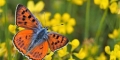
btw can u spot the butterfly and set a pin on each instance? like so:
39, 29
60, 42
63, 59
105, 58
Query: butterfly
34, 41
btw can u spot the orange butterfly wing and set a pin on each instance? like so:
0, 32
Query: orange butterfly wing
22, 40
56, 41
39, 51
24, 18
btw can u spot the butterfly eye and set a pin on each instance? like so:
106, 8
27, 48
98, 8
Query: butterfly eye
46, 28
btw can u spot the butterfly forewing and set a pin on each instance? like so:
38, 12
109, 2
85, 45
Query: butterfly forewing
24, 18
56, 41
38, 52
22, 40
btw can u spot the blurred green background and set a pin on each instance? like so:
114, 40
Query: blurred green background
92, 27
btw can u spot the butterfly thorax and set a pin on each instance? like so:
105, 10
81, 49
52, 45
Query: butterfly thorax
39, 36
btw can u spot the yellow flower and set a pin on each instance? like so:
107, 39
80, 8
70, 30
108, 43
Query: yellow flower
2, 2
118, 11
114, 7
94, 49
49, 57
102, 57
97, 2
111, 1
104, 4
1, 10
67, 22
90, 58
35, 8
63, 51
117, 50
71, 58
112, 56
20, 28
107, 49
44, 18
114, 53
75, 43
78, 2
82, 54
12, 28
2, 48
116, 47
114, 34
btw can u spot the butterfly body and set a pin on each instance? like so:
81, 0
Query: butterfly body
39, 36
35, 40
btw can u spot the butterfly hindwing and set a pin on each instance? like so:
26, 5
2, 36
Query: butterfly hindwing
22, 40
24, 18
56, 41
39, 51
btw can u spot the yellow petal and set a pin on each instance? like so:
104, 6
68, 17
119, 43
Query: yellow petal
55, 29
49, 57
2, 2
63, 51
2, 49
97, 2
116, 47
62, 29
118, 54
112, 56
113, 7
30, 5
20, 28
111, 36
71, 58
82, 54
65, 17
75, 43
102, 57
57, 16
115, 32
69, 29
39, 6
104, 4
78, 2
12, 28
72, 22
107, 49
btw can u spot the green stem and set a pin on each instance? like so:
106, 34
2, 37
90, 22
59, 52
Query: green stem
6, 32
101, 25
87, 20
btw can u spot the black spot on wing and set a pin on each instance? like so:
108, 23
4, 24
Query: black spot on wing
26, 36
23, 12
57, 37
53, 35
29, 16
19, 22
24, 17
33, 20
25, 23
